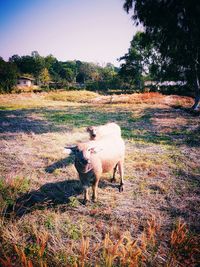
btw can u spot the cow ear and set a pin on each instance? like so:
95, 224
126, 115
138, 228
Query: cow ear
70, 149
92, 150
88, 129
95, 150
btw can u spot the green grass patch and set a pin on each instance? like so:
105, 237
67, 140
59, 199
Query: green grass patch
84, 116
4, 108
146, 136
11, 188
75, 119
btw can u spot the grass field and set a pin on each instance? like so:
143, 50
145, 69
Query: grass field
154, 222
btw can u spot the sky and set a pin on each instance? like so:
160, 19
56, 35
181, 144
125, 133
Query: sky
96, 31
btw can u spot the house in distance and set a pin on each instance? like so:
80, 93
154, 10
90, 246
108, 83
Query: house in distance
26, 84
25, 81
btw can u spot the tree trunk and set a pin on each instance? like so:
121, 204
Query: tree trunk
196, 105
197, 91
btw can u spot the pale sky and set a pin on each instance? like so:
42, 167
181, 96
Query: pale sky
96, 31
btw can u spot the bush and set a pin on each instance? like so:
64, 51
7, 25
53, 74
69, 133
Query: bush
176, 90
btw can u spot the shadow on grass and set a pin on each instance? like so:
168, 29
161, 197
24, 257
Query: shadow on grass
25, 121
184, 202
49, 195
188, 110
193, 137
60, 164
144, 129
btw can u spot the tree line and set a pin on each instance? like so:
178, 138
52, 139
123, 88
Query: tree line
48, 72
168, 49
142, 62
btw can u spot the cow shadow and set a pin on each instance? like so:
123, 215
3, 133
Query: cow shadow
62, 163
49, 195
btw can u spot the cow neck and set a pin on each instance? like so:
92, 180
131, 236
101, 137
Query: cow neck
84, 168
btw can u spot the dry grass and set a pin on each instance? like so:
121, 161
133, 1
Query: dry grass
154, 222
144, 98
35, 100
72, 96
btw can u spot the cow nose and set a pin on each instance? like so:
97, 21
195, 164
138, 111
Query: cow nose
85, 161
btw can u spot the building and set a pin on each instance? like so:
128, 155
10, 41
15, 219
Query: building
25, 82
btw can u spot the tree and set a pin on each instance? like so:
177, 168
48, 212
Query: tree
8, 76
67, 74
173, 26
86, 70
49, 61
139, 61
33, 64
38, 64
44, 76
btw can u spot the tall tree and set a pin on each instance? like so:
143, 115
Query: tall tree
49, 61
33, 64
140, 61
173, 26
8, 76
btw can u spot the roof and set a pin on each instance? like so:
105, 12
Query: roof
26, 78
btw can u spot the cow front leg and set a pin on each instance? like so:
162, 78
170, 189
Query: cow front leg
86, 194
114, 173
94, 189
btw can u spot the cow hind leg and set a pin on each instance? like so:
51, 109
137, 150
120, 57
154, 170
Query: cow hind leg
114, 173
121, 173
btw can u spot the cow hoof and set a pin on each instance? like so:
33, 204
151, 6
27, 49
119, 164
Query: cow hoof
85, 202
121, 188
94, 200
113, 180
